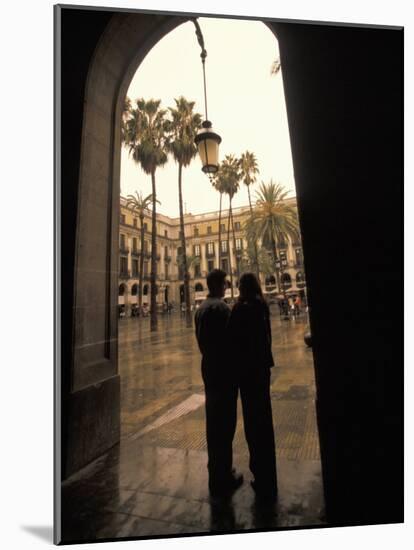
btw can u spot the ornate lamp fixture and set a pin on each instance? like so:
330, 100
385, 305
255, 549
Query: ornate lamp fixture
207, 140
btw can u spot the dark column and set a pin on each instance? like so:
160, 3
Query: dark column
343, 90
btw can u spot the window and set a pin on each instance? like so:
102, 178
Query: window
237, 226
224, 246
197, 271
196, 232
210, 248
299, 258
222, 227
197, 250
165, 233
134, 244
135, 268
165, 251
210, 265
145, 268
135, 222
239, 244
122, 244
123, 266
146, 247
283, 258
225, 265
123, 218
166, 270
145, 227
209, 230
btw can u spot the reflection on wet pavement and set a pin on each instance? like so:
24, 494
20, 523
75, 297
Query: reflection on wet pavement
155, 481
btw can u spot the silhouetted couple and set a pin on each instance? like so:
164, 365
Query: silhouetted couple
236, 355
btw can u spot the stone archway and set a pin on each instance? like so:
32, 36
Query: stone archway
90, 381
94, 385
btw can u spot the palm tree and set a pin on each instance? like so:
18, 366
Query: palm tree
273, 219
140, 204
230, 178
219, 185
146, 138
261, 256
249, 169
183, 128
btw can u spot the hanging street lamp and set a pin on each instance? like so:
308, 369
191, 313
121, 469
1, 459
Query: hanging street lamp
207, 140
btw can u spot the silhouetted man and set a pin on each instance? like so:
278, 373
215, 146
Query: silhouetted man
220, 386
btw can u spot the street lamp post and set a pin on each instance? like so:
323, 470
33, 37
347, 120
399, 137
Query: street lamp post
207, 140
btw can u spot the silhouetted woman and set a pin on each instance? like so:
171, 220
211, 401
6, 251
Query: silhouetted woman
250, 342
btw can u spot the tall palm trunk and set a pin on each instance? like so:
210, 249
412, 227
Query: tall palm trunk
219, 235
154, 320
141, 267
234, 243
274, 253
186, 277
229, 251
256, 256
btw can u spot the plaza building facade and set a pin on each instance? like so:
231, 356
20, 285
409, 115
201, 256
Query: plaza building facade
203, 255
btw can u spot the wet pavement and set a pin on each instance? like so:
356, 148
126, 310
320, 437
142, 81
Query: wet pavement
155, 481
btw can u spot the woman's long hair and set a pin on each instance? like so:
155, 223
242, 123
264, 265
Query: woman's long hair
250, 289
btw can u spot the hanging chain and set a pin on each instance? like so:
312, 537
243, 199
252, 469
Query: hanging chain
203, 56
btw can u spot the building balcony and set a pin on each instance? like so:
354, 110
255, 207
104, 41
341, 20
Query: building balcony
135, 275
135, 252
298, 265
146, 277
210, 254
124, 274
167, 259
124, 250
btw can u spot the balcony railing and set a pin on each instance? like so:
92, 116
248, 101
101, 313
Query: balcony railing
124, 250
167, 258
135, 252
124, 274
210, 254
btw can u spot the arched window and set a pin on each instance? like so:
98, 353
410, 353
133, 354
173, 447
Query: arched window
134, 290
270, 280
121, 290
145, 290
199, 287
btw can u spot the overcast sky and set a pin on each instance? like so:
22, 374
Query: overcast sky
246, 105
